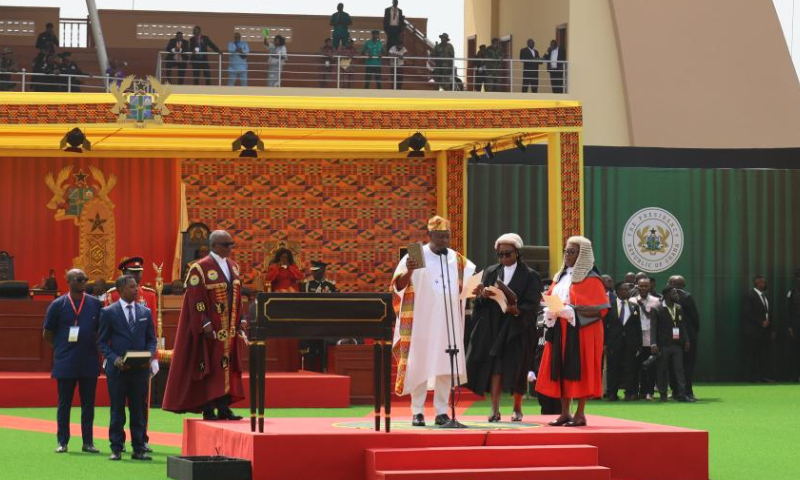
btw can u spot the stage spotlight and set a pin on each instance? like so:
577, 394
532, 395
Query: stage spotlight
250, 142
76, 140
488, 150
473, 156
520, 146
416, 142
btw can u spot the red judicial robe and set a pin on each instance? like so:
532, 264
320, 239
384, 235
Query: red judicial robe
589, 292
203, 370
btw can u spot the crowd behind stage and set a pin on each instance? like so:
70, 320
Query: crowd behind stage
339, 63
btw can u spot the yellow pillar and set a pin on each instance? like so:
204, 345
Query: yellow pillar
555, 241
565, 192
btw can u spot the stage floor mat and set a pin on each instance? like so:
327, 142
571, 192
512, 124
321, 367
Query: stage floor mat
336, 448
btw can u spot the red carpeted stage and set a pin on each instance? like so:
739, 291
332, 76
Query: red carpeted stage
283, 390
348, 449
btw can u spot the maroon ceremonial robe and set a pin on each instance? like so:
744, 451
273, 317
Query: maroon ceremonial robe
203, 370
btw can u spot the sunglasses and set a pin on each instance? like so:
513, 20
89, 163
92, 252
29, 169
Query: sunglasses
227, 244
570, 251
505, 254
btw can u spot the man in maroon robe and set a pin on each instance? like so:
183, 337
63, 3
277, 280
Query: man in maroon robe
206, 369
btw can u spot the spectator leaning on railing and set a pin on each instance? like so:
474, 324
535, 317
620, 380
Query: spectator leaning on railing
237, 65
481, 81
176, 58
199, 45
327, 52
68, 67
398, 53
7, 66
347, 54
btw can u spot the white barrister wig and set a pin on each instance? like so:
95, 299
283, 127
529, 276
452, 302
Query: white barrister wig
509, 239
585, 261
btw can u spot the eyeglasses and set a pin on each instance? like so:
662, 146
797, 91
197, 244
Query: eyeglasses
227, 244
570, 251
505, 254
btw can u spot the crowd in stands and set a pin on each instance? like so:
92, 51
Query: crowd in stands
53, 70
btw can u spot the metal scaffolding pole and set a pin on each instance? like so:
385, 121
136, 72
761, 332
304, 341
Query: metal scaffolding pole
97, 34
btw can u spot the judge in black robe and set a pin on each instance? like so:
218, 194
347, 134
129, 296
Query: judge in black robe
502, 345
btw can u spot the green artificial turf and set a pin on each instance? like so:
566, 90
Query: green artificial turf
754, 430
29, 456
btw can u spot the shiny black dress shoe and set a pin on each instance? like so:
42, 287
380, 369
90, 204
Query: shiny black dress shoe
579, 422
560, 421
90, 449
141, 456
210, 415
228, 414
442, 419
418, 421
495, 417
516, 416
115, 456
61, 449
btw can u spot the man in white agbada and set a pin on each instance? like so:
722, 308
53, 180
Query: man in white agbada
420, 336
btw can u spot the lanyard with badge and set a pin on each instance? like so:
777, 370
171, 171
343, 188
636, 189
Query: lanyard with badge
73, 330
676, 331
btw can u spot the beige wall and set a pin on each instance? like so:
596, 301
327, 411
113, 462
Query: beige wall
595, 74
39, 15
707, 74
477, 22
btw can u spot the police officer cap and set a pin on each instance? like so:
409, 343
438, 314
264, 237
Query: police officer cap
318, 265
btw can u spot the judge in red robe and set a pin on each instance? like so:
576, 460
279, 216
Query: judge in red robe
206, 369
571, 365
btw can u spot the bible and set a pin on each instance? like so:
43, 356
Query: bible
415, 253
137, 358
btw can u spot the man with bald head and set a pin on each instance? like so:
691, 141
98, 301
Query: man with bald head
70, 326
691, 319
206, 371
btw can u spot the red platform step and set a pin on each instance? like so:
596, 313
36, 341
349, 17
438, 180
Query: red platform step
533, 473
573, 462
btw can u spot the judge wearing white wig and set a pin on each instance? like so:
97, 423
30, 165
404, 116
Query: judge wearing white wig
571, 365
503, 343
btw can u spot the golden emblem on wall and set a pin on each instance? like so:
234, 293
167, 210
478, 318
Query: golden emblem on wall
88, 205
140, 101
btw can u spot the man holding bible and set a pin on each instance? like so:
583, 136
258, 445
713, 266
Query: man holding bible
127, 327
425, 297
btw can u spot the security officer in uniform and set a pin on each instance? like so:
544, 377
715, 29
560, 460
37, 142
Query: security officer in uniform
793, 309
315, 351
319, 284
134, 266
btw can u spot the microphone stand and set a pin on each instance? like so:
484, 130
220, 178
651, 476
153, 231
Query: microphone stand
452, 343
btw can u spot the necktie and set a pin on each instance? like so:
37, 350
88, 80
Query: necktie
621, 313
131, 321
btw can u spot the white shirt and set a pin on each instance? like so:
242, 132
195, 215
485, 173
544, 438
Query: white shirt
394, 18
508, 273
623, 311
562, 287
223, 265
648, 302
554, 58
124, 305
763, 298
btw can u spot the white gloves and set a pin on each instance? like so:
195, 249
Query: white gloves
531, 376
153, 367
550, 317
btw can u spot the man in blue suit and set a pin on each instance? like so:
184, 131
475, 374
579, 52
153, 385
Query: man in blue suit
126, 326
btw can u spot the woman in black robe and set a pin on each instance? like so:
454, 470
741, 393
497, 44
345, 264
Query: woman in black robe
502, 345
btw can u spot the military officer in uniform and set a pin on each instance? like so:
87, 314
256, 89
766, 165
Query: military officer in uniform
318, 283
134, 266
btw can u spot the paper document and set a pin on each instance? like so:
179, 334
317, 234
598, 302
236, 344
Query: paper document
499, 297
469, 286
553, 302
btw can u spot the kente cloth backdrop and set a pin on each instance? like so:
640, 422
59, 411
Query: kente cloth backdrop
60, 212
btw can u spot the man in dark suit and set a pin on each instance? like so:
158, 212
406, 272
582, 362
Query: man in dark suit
47, 41
127, 326
177, 47
393, 21
555, 56
671, 342
759, 331
623, 340
793, 310
691, 321
530, 67
199, 45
